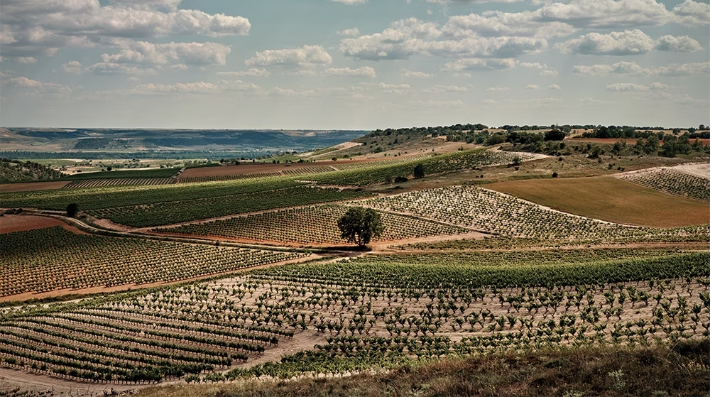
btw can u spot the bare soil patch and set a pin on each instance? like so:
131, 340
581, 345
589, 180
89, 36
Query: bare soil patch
20, 223
32, 186
700, 170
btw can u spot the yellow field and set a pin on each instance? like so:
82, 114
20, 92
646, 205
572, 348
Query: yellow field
609, 199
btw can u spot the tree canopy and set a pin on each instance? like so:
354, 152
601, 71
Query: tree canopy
360, 225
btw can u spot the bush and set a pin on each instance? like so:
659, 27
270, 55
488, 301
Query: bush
555, 175
400, 179
419, 171
72, 210
554, 135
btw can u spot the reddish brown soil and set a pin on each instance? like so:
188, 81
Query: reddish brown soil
18, 223
31, 186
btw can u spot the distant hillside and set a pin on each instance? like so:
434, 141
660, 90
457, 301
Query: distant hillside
28, 139
17, 171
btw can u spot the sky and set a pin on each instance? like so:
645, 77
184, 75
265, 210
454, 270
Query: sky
352, 64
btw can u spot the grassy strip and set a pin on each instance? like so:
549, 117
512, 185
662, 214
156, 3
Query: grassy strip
676, 370
108, 197
440, 272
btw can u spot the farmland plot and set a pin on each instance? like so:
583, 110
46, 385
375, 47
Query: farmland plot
119, 182
43, 260
310, 225
182, 211
373, 311
493, 212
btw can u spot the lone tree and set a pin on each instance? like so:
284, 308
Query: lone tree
360, 225
554, 135
72, 210
419, 171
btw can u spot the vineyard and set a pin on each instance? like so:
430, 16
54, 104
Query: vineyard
219, 178
188, 210
372, 311
672, 182
699, 234
310, 225
433, 165
88, 183
317, 169
498, 213
119, 196
43, 260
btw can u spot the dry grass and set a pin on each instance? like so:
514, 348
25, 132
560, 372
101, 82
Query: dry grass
681, 370
609, 199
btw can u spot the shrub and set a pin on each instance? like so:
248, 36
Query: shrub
72, 210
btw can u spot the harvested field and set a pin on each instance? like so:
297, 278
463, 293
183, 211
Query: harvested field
19, 223
609, 199
31, 186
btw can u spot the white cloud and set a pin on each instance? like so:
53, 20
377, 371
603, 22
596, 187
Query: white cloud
283, 92
439, 88
26, 60
350, 2
677, 44
141, 52
554, 87
237, 85
24, 82
496, 24
73, 67
414, 74
253, 72
28, 86
308, 55
686, 69
410, 37
179, 66
365, 71
480, 64
163, 5
624, 67
394, 88
497, 89
629, 42
636, 87
474, 64
349, 32
633, 69
41, 27
197, 87
531, 87
626, 87
691, 12
606, 13
107, 68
